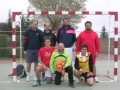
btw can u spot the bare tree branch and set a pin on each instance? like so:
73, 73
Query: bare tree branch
58, 5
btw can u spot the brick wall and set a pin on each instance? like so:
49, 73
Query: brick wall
104, 45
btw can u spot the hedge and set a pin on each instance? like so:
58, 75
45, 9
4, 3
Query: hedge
6, 48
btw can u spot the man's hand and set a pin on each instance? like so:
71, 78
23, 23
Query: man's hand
54, 75
96, 54
45, 68
56, 50
77, 53
25, 52
83, 71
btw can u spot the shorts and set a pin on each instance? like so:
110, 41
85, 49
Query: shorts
70, 51
32, 56
85, 76
47, 72
93, 58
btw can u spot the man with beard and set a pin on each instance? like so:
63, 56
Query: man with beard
89, 37
61, 55
47, 34
66, 35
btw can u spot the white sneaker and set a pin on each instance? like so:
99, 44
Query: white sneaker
96, 80
28, 79
35, 79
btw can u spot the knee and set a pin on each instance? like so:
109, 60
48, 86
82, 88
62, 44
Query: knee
90, 84
39, 68
48, 82
57, 83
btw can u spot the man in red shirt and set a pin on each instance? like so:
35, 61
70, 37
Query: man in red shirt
90, 38
44, 56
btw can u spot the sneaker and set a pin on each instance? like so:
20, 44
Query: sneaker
80, 82
53, 79
35, 84
35, 79
28, 79
71, 85
42, 78
96, 80
62, 79
11, 75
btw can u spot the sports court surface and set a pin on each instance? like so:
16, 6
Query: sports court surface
104, 84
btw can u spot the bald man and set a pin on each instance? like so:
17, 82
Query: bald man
64, 56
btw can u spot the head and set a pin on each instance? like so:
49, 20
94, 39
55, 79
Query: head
84, 49
65, 22
88, 25
47, 42
61, 47
34, 24
47, 27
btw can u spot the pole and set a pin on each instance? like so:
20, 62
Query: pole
20, 43
109, 46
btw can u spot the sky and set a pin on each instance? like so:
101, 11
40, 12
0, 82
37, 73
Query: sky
98, 21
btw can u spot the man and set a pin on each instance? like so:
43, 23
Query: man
90, 38
83, 66
64, 56
44, 56
31, 47
47, 34
66, 35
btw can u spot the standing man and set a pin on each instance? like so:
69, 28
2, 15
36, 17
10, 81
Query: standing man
31, 47
66, 35
64, 56
47, 34
44, 56
89, 37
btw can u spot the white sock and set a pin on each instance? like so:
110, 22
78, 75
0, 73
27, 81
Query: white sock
35, 74
28, 74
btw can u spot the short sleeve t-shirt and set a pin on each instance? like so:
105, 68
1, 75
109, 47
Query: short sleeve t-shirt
45, 54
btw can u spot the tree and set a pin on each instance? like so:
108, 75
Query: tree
58, 5
9, 22
104, 34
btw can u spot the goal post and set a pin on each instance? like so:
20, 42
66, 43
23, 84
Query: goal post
114, 13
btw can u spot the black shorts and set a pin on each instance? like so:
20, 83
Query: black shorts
85, 76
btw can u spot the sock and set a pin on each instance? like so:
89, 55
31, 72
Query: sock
94, 76
43, 74
28, 74
34, 74
38, 81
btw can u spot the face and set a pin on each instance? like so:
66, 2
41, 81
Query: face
60, 47
84, 50
47, 42
47, 26
34, 24
66, 22
88, 26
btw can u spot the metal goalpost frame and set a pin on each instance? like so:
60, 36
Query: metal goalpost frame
114, 13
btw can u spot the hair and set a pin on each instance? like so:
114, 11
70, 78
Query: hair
65, 19
47, 22
88, 22
34, 21
47, 39
84, 46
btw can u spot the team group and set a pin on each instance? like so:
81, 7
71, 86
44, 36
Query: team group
51, 63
